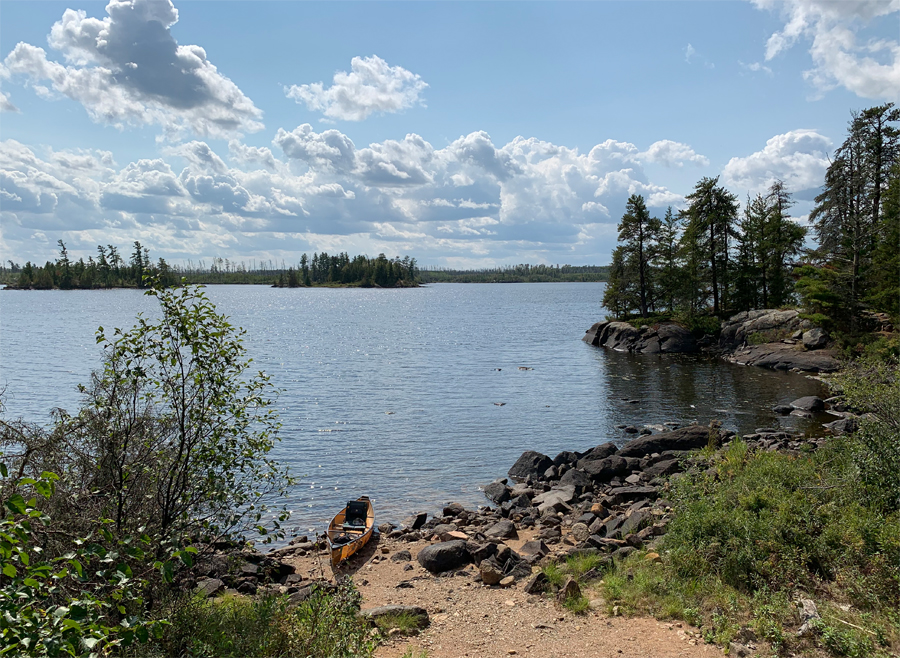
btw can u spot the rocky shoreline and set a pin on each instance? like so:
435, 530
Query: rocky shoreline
769, 338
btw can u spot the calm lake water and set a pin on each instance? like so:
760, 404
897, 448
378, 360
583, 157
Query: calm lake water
392, 393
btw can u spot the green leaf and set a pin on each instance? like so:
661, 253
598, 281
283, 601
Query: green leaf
9, 570
3, 471
16, 504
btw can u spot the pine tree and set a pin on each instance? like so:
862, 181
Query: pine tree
711, 217
637, 233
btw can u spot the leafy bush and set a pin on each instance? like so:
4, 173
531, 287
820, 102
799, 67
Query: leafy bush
326, 624
872, 386
83, 603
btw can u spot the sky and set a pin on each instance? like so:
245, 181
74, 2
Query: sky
464, 134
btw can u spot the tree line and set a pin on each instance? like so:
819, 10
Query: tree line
360, 271
523, 273
110, 270
719, 256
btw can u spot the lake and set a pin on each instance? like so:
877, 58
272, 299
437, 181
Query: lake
397, 394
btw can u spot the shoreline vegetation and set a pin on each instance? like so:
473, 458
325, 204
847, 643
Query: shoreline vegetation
109, 271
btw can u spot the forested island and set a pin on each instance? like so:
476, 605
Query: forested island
110, 270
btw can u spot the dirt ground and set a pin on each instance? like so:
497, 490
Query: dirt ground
473, 620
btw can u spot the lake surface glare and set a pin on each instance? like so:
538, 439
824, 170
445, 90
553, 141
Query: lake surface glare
415, 397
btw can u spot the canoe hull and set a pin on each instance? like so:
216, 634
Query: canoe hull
341, 550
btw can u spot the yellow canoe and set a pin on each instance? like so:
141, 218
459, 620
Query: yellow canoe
350, 529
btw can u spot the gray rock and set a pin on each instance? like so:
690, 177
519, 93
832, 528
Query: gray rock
490, 574
578, 479
453, 509
537, 585
601, 452
603, 470
809, 616
580, 532
401, 556
570, 590
634, 493
738, 650
685, 438
415, 521
530, 463
481, 552
503, 529
565, 457
632, 523
815, 339
843, 425
209, 587
809, 403
419, 614
497, 492
534, 547
444, 556
663, 468
780, 356
782, 409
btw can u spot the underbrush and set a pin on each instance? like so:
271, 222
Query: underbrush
759, 532
326, 624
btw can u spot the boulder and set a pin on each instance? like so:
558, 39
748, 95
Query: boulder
685, 438
578, 479
481, 552
570, 590
503, 529
601, 452
759, 326
401, 556
815, 339
580, 532
444, 556
415, 521
674, 338
782, 409
843, 425
531, 463
781, 356
632, 523
453, 509
538, 584
420, 615
490, 574
534, 547
497, 492
809, 403
663, 468
209, 587
565, 457
603, 470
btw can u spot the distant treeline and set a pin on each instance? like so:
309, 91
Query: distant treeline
110, 270
517, 274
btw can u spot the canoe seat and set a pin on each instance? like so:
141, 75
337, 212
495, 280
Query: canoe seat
355, 518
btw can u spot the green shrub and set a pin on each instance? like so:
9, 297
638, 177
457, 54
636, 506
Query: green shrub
326, 624
84, 603
872, 386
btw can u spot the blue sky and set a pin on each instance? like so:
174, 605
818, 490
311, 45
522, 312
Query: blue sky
462, 133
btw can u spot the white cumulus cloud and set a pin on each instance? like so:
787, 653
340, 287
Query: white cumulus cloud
371, 86
799, 158
672, 154
870, 68
127, 68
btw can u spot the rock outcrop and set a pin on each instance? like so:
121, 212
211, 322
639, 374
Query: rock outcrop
769, 338
665, 338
